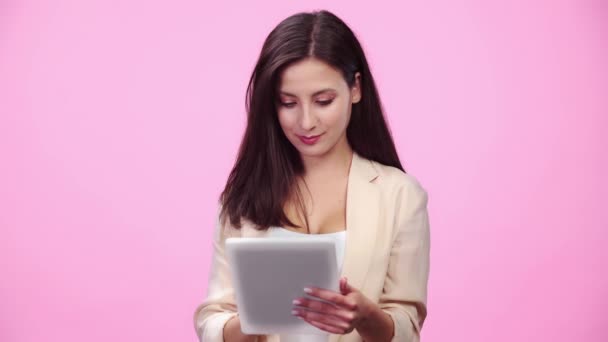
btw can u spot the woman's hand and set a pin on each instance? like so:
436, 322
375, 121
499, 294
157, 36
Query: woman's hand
336, 313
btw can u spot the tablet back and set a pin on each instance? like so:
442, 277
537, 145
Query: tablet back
269, 273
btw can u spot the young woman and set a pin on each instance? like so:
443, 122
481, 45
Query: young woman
317, 157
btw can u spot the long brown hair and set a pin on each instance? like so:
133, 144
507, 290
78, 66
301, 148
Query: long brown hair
264, 174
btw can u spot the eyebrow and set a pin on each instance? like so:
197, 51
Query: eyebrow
314, 94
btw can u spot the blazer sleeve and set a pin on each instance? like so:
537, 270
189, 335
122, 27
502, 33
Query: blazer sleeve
404, 295
219, 305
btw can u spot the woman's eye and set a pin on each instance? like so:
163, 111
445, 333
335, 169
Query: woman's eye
292, 104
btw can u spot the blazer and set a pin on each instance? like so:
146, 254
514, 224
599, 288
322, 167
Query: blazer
386, 254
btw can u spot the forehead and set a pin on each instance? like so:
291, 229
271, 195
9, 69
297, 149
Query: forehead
310, 75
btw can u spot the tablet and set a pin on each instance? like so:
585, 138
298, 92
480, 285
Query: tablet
269, 273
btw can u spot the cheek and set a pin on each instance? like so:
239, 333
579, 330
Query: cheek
286, 121
338, 119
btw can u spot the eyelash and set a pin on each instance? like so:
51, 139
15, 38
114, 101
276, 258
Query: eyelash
322, 103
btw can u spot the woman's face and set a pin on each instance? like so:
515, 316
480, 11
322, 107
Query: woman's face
314, 106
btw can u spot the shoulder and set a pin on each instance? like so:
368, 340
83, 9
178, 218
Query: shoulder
404, 195
224, 229
392, 179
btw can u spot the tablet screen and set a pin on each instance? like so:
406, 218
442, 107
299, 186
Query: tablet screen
269, 273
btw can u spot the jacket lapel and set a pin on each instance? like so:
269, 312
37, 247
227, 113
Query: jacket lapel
362, 210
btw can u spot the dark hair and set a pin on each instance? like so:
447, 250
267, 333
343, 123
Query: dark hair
263, 177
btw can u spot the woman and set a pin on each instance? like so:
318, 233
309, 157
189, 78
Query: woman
317, 157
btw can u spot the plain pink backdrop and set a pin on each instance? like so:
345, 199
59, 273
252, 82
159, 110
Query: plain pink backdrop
120, 120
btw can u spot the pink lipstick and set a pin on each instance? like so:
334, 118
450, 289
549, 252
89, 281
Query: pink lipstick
310, 140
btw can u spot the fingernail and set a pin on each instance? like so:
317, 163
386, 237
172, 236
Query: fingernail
297, 302
307, 290
294, 312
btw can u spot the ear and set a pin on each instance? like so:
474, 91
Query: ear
355, 92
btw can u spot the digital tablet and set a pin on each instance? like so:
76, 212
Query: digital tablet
269, 273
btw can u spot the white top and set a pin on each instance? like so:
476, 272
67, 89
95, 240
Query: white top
340, 243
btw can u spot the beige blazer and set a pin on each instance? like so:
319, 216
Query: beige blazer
386, 254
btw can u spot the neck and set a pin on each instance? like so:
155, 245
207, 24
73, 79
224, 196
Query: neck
336, 161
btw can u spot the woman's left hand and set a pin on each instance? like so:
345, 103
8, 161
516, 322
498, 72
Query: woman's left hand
347, 311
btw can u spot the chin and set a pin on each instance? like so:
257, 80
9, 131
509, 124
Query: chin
312, 151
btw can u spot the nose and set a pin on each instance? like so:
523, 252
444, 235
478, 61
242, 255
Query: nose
308, 120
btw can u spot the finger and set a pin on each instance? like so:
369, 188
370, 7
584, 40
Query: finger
322, 318
314, 305
325, 327
343, 285
328, 328
346, 287
332, 296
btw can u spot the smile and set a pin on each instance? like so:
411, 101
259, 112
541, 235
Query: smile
311, 140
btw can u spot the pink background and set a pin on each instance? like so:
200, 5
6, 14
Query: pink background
120, 120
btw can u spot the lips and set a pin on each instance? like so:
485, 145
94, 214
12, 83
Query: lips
310, 140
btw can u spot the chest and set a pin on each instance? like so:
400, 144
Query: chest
325, 207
